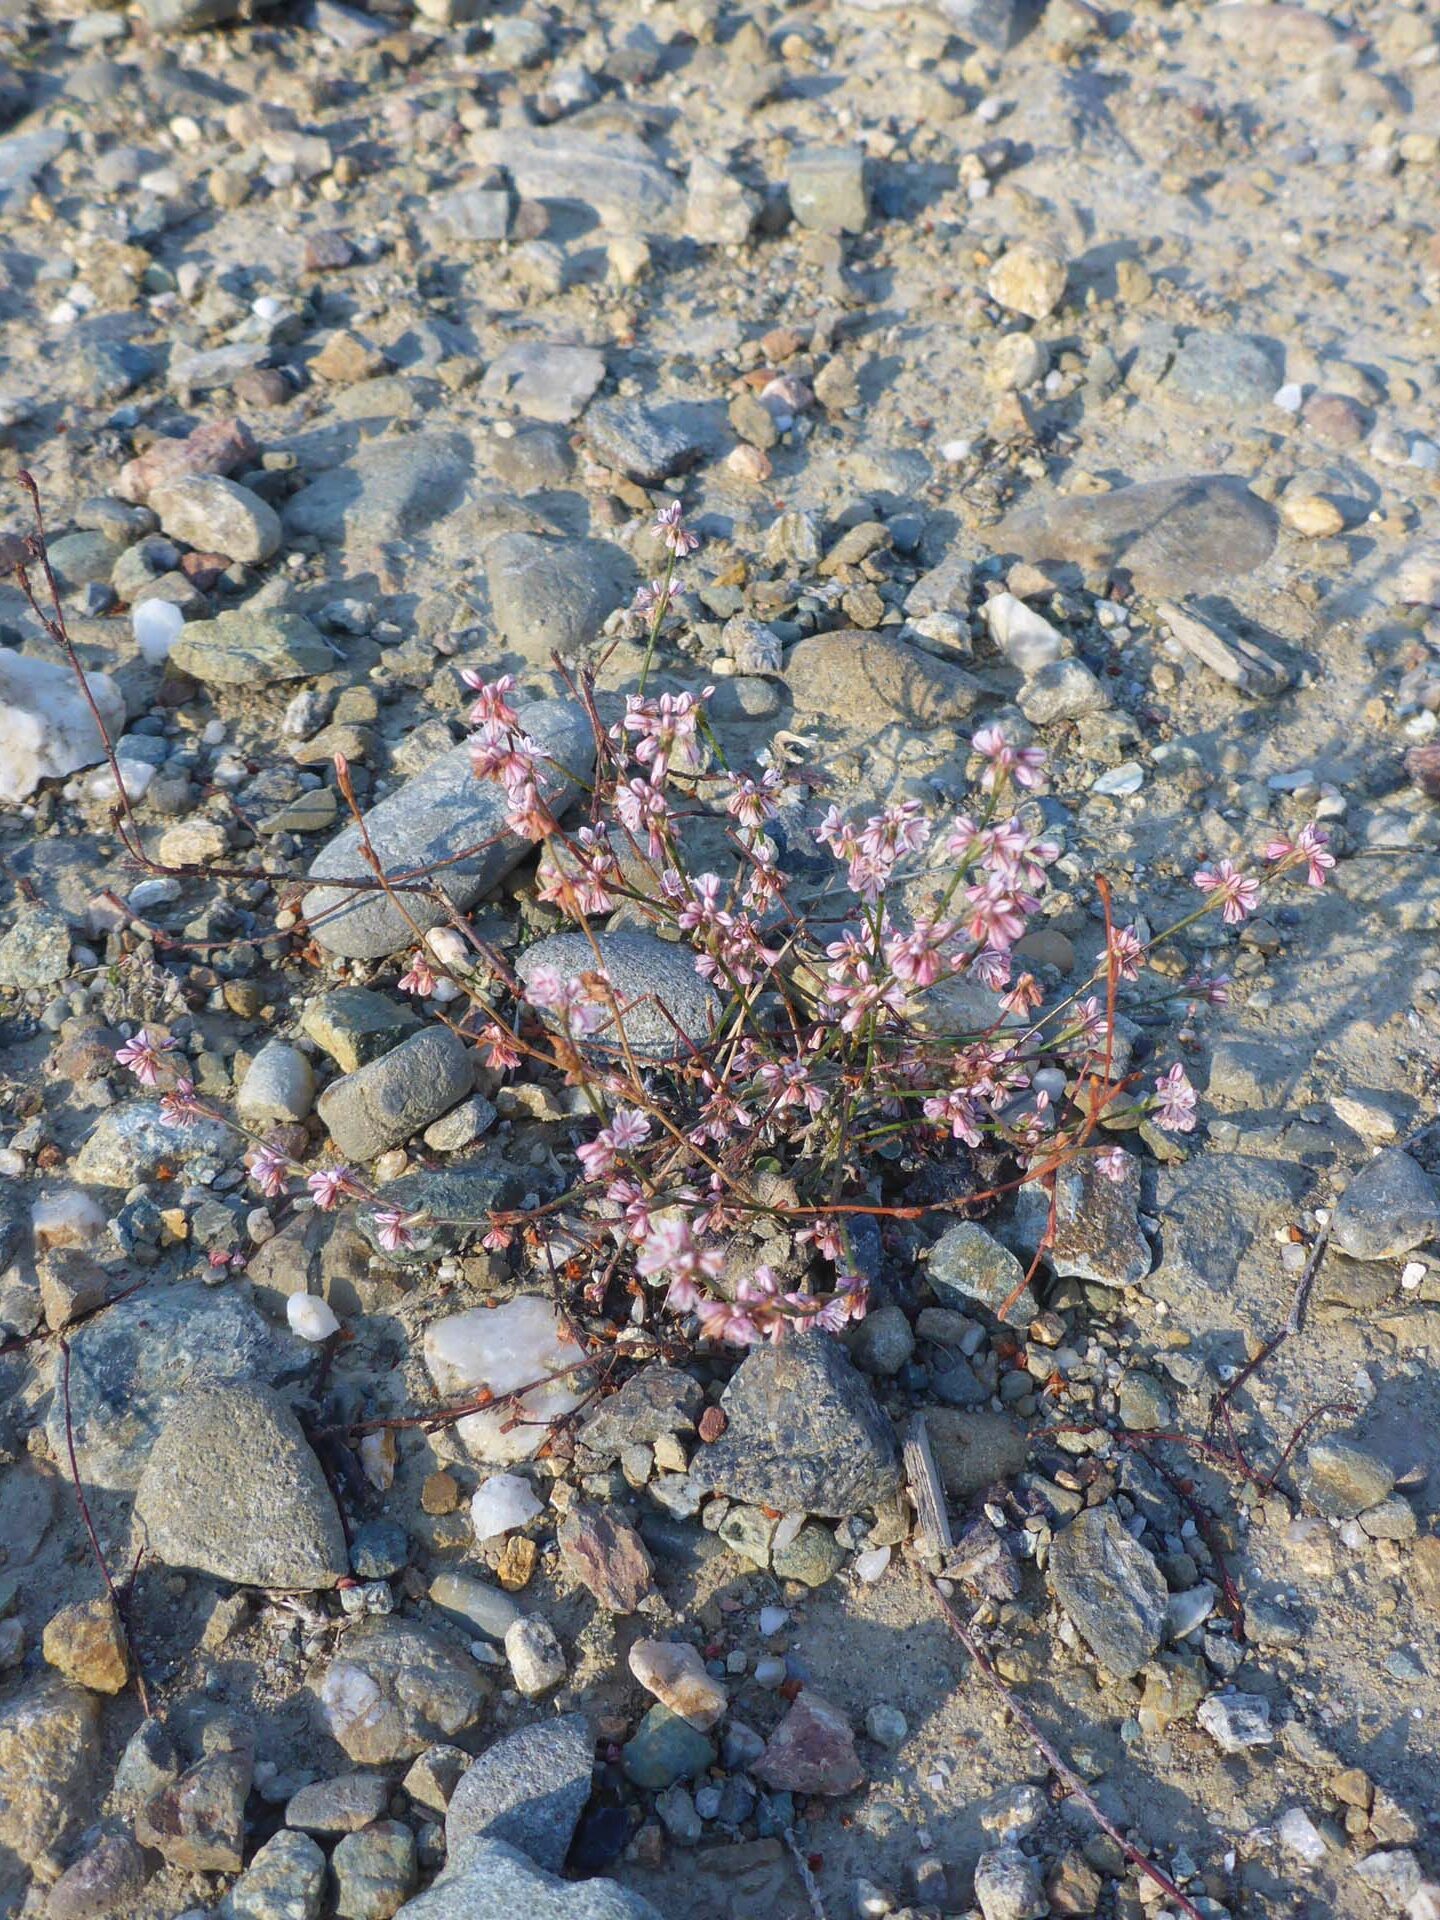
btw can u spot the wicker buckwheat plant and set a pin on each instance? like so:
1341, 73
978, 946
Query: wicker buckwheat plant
830, 1071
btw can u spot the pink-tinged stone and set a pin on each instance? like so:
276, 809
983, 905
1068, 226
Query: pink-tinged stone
219, 447
675, 1673
607, 1557
811, 1751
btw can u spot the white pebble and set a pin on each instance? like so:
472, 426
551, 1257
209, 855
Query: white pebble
1127, 778
157, 625
311, 1317
772, 1619
770, 1671
1289, 397
870, 1566
502, 1503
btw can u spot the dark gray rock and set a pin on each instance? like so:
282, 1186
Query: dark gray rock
1195, 534
654, 982
631, 440
146, 1355
656, 1401
448, 1204
355, 1025
805, 1433
232, 1489
553, 596
390, 490
1097, 1234
435, 816
1390, 1207
385, 1102
974, 1450
529, 1790
1111, 1588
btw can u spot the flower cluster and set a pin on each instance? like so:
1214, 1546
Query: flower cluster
882, 1021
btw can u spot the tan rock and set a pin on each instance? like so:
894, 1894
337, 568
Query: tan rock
674, 1672
1029, 280
86, 1643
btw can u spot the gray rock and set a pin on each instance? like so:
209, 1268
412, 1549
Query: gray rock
487, 1880
82, 559
108, 1878
198, 1820
1226, 372
545, 380
534, 457
632, 440
245, 649
26, 155
1097, 1233
447, 1204
342, 1805
1189, 535
663, 1749
1340, 1478
616, 174
805, 1434
49, 1770
656, 1401
529, 1790
812, 1557
966, 1264
132, 1365
990, 23
475, 214
35, 951
278, 1085
1391, 1206
974, 1451
654, 982
855, 678
828, 191
883, 1341
131, 1143
374, 1871
355, 1025
435, 816
394, 1689
390, 490
384, 1103
553, 596
1111, 1588
1212, 1210
1062, 690
1235, 1721
475, 1604
284, 1881
216, 515
1008, 1886
537, 1661
232, 1489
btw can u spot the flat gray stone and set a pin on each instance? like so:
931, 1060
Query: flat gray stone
133, 1364
1111, 1588
861, 679
35, 949
828, 191
24, 156
391, 490
244, 649
1223, 371
553, 596
654, 982
545, 379
967, 1265
384, 1103
231, 1489
1098, 1235
805, 1433
1390, 1207
467, 213
529, 1790
438, 814
340, 1805
1195, 534
616, 174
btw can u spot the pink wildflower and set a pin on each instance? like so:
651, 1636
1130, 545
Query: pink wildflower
1113, 1163
142, 1056
1024, 765
1175, 1101
270, 1170
392, 1229
180, 1105
1236, 893
420, 979
492, 708
329, 1187
1127, 951
628, 1130
677, 538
